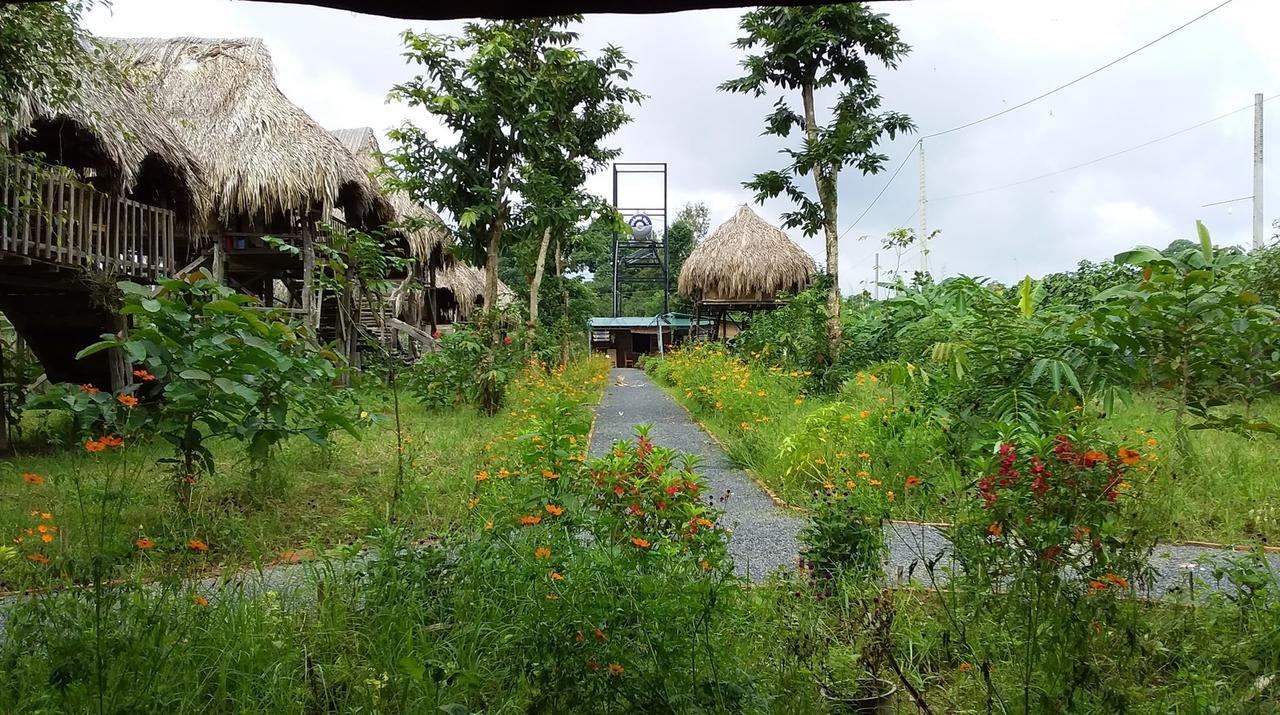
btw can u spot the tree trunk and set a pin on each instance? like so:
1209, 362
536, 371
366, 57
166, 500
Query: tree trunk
431, 298
824, 178
535, 285
491, 266
564, 301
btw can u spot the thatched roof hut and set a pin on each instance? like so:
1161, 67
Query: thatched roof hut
116, 139
466, 284
426, 234
745, 260
260, 153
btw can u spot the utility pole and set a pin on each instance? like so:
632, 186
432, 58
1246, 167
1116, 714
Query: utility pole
1257, 171
877, 275
924, 217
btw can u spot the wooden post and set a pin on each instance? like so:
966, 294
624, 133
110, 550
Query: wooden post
4, 398
219, 261
308, 275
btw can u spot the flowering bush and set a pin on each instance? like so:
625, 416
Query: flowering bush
1047, 546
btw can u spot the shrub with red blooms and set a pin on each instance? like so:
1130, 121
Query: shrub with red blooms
656, 499
1056, 503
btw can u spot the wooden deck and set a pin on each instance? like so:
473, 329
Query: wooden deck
49, 217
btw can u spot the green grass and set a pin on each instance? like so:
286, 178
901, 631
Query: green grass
313, 497
1227, 491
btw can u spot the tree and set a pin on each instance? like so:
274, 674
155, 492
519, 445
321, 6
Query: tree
810, 49
43, 52
584, 101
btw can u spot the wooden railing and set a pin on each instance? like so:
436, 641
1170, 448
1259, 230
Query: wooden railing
50, 217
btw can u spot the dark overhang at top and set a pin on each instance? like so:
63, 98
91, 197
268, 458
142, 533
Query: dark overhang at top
515, 9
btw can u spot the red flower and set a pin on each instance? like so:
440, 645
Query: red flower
507, 340
1051, 553
436, 335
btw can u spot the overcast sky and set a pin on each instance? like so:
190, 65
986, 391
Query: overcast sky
969, 58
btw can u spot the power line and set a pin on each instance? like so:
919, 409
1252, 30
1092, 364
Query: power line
1228, 201
1112, 155
884, 188
1083, 77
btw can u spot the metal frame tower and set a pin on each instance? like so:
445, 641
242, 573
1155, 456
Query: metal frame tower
633, 258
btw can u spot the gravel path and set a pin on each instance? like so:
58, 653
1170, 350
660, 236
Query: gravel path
764, 534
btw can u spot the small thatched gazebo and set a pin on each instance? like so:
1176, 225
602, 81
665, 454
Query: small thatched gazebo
743, 266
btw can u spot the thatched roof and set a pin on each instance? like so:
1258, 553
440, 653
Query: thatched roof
112, 128
259, 152
467, 285
745, 260
427, 234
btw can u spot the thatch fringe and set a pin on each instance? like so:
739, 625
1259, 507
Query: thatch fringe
112, 127
260, 153
467, 285
745, 260
423, 228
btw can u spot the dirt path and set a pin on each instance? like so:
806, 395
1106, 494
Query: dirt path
764, 534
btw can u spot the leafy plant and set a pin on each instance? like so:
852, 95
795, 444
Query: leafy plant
1194, 328
220, 368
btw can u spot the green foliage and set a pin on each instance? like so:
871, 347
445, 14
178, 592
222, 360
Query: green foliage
1195, 328
44, 52
528, 112
224, 369
470, 358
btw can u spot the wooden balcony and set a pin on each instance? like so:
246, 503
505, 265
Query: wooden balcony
48, 216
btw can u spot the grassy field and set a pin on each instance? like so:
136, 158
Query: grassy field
312, 498
1225, 492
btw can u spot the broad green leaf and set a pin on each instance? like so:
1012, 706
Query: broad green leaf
195, 374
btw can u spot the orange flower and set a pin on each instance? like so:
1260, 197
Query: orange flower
964, 667
864, 455
913, 481
1093, 457
33, 478
554, 510
46, 538
39, 558
599, 635
1128, 456
45, 516
89, 389
542, 552
144, 543
198, 545
94, 445
864, 414
639, 542
552, 597
1120, 581
616, 669
200, 600
110, 441
995, 529
482, 475
1097, 585
128, 400
550, 474
143, 375
889, 496
556, 576
530, 520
